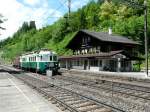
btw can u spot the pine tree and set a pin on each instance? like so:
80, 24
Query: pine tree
32, 25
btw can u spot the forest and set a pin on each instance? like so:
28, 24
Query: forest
95, 16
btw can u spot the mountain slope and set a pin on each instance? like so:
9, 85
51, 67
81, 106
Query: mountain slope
97, 16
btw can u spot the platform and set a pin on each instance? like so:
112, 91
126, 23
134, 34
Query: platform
137, 75
15, 96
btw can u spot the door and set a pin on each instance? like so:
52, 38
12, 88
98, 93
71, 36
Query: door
113, 65
85, 65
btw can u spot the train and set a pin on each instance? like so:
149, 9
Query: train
39, 61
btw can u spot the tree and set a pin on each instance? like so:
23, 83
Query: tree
32, 25
100, 1
1, 21
25, 27
97, 16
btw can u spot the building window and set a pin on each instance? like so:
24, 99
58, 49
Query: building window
77, 63
94, 63
89, 39
100, 63
82, 40
86, 40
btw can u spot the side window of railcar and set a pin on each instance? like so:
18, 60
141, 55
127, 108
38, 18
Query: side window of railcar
45, 58
23, 59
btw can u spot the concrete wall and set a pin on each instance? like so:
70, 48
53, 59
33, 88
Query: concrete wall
78, 67
94, 68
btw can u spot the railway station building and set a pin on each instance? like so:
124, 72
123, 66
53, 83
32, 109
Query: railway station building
101, 51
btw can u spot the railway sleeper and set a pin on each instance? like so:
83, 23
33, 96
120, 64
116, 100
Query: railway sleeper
88, 108
70, 99
65, 107
62, 108
54, 101
103, 109
146, 96
82, 104
53, 91
141, 94
76, 102
60, 95
64, 97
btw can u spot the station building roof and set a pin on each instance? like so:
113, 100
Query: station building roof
105, 37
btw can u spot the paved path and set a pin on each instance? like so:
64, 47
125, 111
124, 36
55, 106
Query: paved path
15, 96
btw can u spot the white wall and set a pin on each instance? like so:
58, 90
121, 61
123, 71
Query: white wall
78, 67
94, 68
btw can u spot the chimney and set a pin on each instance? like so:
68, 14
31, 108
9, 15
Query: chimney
110, 31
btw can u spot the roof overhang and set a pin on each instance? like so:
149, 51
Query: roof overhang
110, 55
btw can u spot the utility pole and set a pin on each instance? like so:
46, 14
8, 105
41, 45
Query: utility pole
69, 8
134, 4
145, 34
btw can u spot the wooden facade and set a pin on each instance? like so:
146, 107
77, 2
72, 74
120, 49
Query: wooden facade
99, 51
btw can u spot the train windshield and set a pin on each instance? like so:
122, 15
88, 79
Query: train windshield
54, 58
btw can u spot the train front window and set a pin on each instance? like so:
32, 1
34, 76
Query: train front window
50, 58
23, 59
41, 58
54, 58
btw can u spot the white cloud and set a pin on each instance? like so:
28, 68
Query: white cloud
32, 2
37, 10
17, 13
78, 4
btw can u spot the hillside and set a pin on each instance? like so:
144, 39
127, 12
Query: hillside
97, 16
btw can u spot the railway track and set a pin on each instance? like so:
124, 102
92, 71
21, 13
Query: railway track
119, 103
86, 87
108, 77
115, 87
67, 99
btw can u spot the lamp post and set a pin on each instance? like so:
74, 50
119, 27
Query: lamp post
145, 34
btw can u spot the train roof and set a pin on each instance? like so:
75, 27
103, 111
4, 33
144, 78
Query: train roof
41, 52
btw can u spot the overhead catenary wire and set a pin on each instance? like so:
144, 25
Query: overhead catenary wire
51, 15
62, 4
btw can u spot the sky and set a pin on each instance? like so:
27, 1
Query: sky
43, 12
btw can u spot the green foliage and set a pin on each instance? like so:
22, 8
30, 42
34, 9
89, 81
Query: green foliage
98, 16
137, 67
